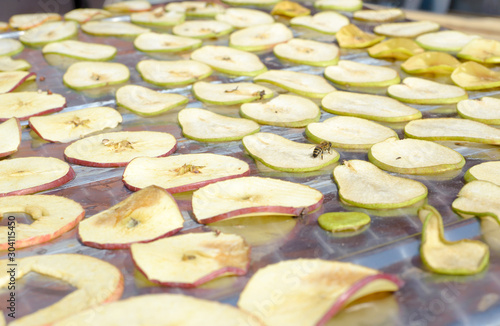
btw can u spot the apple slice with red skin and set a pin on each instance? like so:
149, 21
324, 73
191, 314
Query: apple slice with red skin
83, 15
11, 80
26, 21
10, 132
24, 105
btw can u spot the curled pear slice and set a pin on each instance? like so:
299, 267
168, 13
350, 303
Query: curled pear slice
86, 74
257, 3
260, 37
282, 154
290, 9
398, 48
487, 171
485, 110
308, 52
113, 28
351, 37
406, 29
24, 105
28, 21
464, 257
128, 6
10, 80
479, 198
230, 93
422, 91
156, 42
202, 29
50, 32
481, 50
327, 22
196, 8
243, 17
147, 102
349, 132
297, 82
362, 184
83, 15
10, 131
173, 73
157, 17
343, 221
430, 62
81, 50
352, 73
414, 156
452, 129
203, 125
474, 76
449, 41
341, 5
379, 16
10, 46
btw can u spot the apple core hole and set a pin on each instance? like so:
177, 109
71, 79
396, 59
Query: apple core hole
19, 217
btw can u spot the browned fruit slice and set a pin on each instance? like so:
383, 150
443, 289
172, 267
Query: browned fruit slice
474, 76
351, 37
430, 62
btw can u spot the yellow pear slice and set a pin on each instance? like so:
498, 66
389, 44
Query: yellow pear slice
341, 5
327, 22
23, 105
113, 28
362, 184
27, 21
9, 64
282, 154
243, 17
478, 198
379, 16
258, 3
474, 76
147, 102
230, 93
284, 111
487, 171
351, 37
308, 52
50, 32
10, 131
162, 42
83, 15
485, 110
297, 82
173, 73
464, 257
372, 107
422, 91
398, 48
68, 126
481, 50
406, 29
10, 80
202, 29
290, 9
414, 156
203, 125
430, 62
85, 75
260, 37
157, 17
4, 27
128, 6
81, 50
453, 129
10, 46
196, 8
349, 132
449, 41
352, 73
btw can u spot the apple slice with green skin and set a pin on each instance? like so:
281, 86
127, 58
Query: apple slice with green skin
351, 37
81, 50
379, 16
343, 221
9, 64
430, 62
10, 47
330, 287
230, 93
481, 50
340, 5
474, 76
52, 216
257, 3
49, 32
27, 21
147, 102
10, 80
327, 22
395, 48
282, 154
96, 282
452, 129
283, 111
83, 15
229, 61
202, 29
243, 17
196, 8
487, 171
449, 41
10, 131
24, 105
260, 37
128, 6
68, 126
414, 156
478, 198
290, 9
206, 126
372, 107
157, 17
87, 74
162, 42
308, 52
485, 110
464, 257
297, 82
182, 173
406, 29
349, 132
362, 184
422, 91
173, 73
251, 196
119, 148
113, 28
352, 73
27, 175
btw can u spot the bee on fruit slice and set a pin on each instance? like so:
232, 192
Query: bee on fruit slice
324, 146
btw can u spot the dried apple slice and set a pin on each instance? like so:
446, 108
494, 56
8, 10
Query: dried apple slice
50, 32
343, 221
485, 110
449, 41
290, 9
147, 102
379, 16
362, 184
349, 132
230, 93
430, 62
182, 173
10, 132
260, 37
173, 73
113, 28
10, 47
297, 82
474, 76
308, 52
202, 29
258, 3
284, 111
464, 257
243, 17
52, 216
128, 6
10, 80
352, 73
156, 42
481, 50
27, 175
341, 5
252, 196
422, 91
396, 48
487, 171
28, 21
406, 29
9, 64
83, 15
24, 105
282, 154
95, 280
452, 129
414, 156
203, 125
351, 37
196, 8
85, 75
320, 289
81, 50
327, 22
119, 148
157, 17
229, 61
68, 126
372, 107
478, 198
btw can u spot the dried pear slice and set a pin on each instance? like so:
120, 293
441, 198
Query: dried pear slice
128, 6
474, 76
297, 82
156, 42
173, 73
449, 41
343, 221
28, 21
147, 102
422, 91
481, 50
308, 52
372, 107
406, 29
157, 17
11, 133
260, 37
113, 28
396, 48
196, 8
83, 15
349, 132
452, 129
487, 171
430, 62
379, 16
341, 5
202, 29
203, 125
414, 156
230, 93
283, 111
24, 105
290, 9
282, 154
10, 80
352, 73
9, 64
351, 37
81, 50
243, 17
327, 22
478, 198
464, 257
10, 47
87, 74
485, 110
4, 27
49, 32
229, 61
258, 3
362, 184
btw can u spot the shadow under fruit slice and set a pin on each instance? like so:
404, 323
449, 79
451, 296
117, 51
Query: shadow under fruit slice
147, 102
474, 76
479, 198
173, 73
464, 257
397, 48
308, 52
487, 171
230, 93
10, 132
86, 74
422, 91
260, 37
351, 73
343, 221
485, 110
